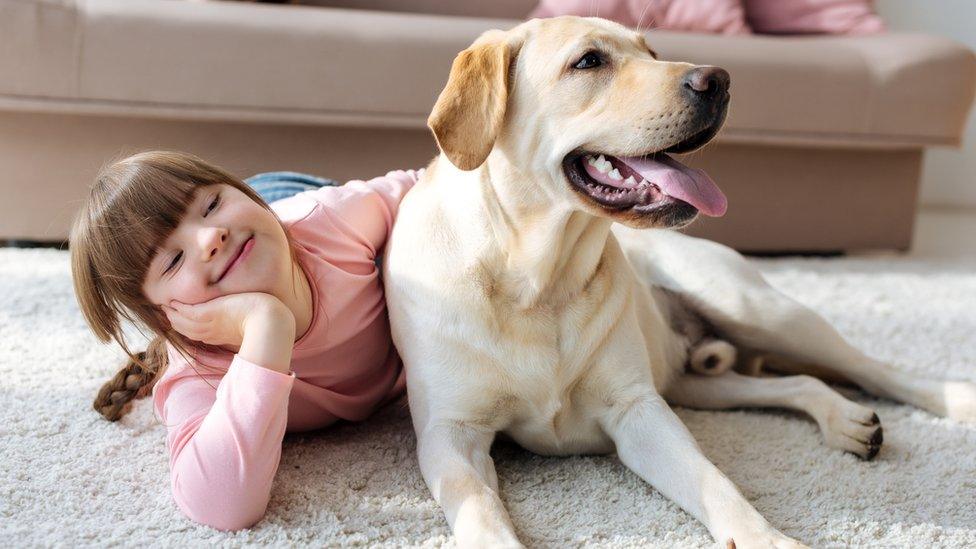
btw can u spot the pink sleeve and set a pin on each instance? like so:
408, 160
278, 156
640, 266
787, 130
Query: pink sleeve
368, 208
224, 445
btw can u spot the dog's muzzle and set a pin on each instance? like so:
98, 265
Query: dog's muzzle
644, 183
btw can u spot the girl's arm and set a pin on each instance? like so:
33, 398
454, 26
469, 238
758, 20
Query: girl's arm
269, 336
225, 445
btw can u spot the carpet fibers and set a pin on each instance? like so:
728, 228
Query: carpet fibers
70, 478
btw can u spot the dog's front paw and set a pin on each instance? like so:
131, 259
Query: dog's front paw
960, 400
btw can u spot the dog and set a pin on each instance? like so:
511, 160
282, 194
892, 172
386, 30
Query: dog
536, 288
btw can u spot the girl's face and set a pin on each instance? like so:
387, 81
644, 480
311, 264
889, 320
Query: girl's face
225, 244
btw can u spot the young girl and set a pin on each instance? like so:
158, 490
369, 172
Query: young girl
267, 318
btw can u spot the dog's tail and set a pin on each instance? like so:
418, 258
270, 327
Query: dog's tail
711, 357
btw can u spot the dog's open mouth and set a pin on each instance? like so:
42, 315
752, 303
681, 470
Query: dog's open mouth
643, 182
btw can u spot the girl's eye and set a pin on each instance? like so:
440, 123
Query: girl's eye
213, 204
589, 61
176, 258
173, 263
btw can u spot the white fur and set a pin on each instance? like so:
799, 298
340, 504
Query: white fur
517, 308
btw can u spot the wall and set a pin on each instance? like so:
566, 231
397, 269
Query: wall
949, 175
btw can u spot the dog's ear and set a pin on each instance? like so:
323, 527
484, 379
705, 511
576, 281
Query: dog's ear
469, 112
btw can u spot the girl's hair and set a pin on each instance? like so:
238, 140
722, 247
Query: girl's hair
134, 205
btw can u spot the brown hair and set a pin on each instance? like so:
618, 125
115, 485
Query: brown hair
134, 205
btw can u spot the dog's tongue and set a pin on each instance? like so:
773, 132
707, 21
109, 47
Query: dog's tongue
681, 182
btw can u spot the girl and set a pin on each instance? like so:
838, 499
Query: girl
267, 318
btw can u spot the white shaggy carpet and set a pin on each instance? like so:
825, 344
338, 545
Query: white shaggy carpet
69, 478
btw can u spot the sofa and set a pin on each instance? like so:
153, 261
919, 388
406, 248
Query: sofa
821, 151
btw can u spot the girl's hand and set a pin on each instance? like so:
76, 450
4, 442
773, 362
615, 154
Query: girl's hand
223, 320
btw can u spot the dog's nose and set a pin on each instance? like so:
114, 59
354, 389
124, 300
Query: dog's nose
706, 83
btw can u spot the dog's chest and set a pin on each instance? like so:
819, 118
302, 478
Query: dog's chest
558, 424
554, 359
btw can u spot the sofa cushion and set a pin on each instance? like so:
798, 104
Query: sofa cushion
310, 65
813, 16
714, 16
511, 9
884, 89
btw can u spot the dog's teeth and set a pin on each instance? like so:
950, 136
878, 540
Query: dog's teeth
645, 182
600, 159
604, 167
630, 181
615, 175
591, 160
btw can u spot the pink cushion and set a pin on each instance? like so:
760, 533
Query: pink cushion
713, 16
813, 16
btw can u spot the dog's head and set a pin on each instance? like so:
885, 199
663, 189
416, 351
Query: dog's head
585, 108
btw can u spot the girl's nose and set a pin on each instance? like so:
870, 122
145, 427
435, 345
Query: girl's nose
211, 240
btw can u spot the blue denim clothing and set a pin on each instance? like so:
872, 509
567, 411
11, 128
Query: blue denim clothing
278, 185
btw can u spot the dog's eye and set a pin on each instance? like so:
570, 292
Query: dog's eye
588, 61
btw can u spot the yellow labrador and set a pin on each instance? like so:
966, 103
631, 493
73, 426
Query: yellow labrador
520, 308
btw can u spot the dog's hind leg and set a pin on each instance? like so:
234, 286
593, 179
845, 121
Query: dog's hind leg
845, 425
652, 442
799, 341
742, 307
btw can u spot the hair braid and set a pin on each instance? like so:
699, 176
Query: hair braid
134, 380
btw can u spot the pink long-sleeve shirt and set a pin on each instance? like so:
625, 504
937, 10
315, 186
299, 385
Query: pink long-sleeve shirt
226, 416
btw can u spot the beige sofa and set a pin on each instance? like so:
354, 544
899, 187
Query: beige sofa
821, 151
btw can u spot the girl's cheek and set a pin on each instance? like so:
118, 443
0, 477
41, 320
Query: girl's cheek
187, 289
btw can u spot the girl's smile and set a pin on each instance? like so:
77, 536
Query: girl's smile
239, 257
